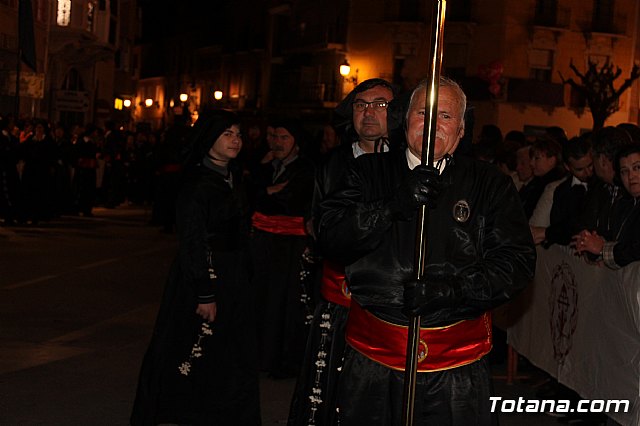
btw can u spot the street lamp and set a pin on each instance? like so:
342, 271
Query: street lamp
148, 102
127, 103
217, 95
345, 69
183, 97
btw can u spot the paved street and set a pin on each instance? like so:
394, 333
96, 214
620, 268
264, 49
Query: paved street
78, 297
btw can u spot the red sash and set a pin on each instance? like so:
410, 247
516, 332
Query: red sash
441, 348
283, 225
334, 287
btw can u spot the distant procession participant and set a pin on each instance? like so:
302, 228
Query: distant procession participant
201, 365
282, 190
480, 255
86, 166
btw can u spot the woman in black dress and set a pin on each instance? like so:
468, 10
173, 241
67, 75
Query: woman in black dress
199, 368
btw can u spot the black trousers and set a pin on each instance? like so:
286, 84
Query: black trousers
371, 394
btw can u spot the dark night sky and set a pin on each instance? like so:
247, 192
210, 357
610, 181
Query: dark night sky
212, 21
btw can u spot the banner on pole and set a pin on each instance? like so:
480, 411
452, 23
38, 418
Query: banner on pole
31, 84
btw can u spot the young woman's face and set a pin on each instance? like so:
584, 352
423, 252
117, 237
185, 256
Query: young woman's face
630, 173
228, 144
542, 164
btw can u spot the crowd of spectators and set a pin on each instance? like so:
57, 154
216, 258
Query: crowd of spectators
580, 192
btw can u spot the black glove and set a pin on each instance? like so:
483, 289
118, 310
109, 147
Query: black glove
422, 297
422, 186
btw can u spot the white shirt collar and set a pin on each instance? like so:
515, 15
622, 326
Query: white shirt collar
358, 151
414, 161
575, 181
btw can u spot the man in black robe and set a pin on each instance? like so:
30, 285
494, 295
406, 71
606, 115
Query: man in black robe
369, 119
480, 254
282, 197
86, 166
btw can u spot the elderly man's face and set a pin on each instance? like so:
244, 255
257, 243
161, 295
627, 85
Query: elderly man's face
371, 123
449, 128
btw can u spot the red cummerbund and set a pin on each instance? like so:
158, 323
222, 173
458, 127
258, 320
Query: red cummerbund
283, 225
334, 286
440, 348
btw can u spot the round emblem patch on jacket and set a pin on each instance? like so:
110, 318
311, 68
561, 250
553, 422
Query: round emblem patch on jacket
461, 211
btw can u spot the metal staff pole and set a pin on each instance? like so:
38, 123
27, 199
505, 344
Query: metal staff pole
428, 142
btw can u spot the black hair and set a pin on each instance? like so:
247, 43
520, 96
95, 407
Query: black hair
632, 129
292, 126
608, 140
576, 147
204, 134
557, 133
516, 136
506, 153
550, 147
344, 110
625, 151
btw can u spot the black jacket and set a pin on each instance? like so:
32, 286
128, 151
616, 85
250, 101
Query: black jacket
625, 226
568, 204
295, 198
598, 208
490, 255
212, 221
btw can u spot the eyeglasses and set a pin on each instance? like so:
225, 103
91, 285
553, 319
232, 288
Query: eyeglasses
360, 106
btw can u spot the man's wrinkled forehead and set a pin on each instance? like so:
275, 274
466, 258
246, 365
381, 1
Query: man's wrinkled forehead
376, 93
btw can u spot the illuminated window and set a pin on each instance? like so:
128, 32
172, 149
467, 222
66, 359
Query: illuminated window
63, 16
91, 8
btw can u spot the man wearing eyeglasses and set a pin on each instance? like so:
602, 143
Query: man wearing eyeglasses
370, 117
367, 119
